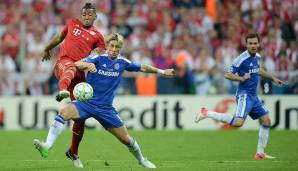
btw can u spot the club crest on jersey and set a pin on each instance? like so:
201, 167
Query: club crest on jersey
116, 66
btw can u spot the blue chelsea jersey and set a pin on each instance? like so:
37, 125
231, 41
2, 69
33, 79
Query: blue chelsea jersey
107, 77
245, 63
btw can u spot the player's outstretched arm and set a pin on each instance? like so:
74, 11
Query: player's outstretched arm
151, 69
90, 67
267, 75
54, 42
236, 77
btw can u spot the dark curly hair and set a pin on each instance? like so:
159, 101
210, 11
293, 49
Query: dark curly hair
89, 6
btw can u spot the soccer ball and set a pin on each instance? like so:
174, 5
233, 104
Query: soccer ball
83, 92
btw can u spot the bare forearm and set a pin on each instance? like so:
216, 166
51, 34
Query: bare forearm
81, 65
233, 77
266, 74
149, 69
55, 41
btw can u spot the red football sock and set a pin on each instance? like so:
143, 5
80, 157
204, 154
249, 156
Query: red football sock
77, 135
66, 78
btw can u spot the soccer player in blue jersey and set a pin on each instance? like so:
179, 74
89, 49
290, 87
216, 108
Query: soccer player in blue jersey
104, 76
246, 70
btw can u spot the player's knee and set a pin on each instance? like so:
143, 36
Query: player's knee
65, 113
238, 122
265, 121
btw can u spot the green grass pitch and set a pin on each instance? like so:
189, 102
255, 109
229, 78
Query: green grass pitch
169, 150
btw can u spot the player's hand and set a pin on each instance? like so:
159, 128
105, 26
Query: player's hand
169, 72
90, 67
245, 77
278, 82
46, 55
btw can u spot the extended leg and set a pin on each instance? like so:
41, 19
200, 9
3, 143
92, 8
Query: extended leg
56, 128
222, 117
64, 82
122, 135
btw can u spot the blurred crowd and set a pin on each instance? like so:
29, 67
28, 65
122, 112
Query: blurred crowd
199, 38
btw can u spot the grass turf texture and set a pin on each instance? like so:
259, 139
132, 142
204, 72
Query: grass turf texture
169, 150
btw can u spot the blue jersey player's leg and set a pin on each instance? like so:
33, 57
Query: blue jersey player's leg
67, 113
111, 121
244, 106
261, 113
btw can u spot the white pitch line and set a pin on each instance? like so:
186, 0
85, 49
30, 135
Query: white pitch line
197, 161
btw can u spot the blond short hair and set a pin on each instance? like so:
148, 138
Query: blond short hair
116, 37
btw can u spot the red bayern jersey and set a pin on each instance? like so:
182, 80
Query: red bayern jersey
80, 41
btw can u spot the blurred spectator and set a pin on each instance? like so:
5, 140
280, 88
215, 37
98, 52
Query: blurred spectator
10, 80
10, 41
184, 81
200, 38
164, 60
203, 64
37, 73
269, 65
221, 66
283, 66
122, 27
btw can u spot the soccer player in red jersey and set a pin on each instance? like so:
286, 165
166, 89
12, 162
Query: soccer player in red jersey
80, 38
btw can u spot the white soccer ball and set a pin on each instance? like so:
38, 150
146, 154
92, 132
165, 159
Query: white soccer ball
83, 92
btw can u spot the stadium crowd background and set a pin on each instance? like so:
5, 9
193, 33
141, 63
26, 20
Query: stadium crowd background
199, 38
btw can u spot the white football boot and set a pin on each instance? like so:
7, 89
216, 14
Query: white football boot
44, 152
75, 159
203, 114
147, 164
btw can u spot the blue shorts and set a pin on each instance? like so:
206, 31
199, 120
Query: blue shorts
107, 116
249, 105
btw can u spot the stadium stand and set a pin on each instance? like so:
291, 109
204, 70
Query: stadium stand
197, 37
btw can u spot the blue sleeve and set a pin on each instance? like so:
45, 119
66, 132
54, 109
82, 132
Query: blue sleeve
92, 58
234, 69
131, 66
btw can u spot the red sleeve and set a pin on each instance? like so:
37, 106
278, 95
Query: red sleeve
65, 29
101, 42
